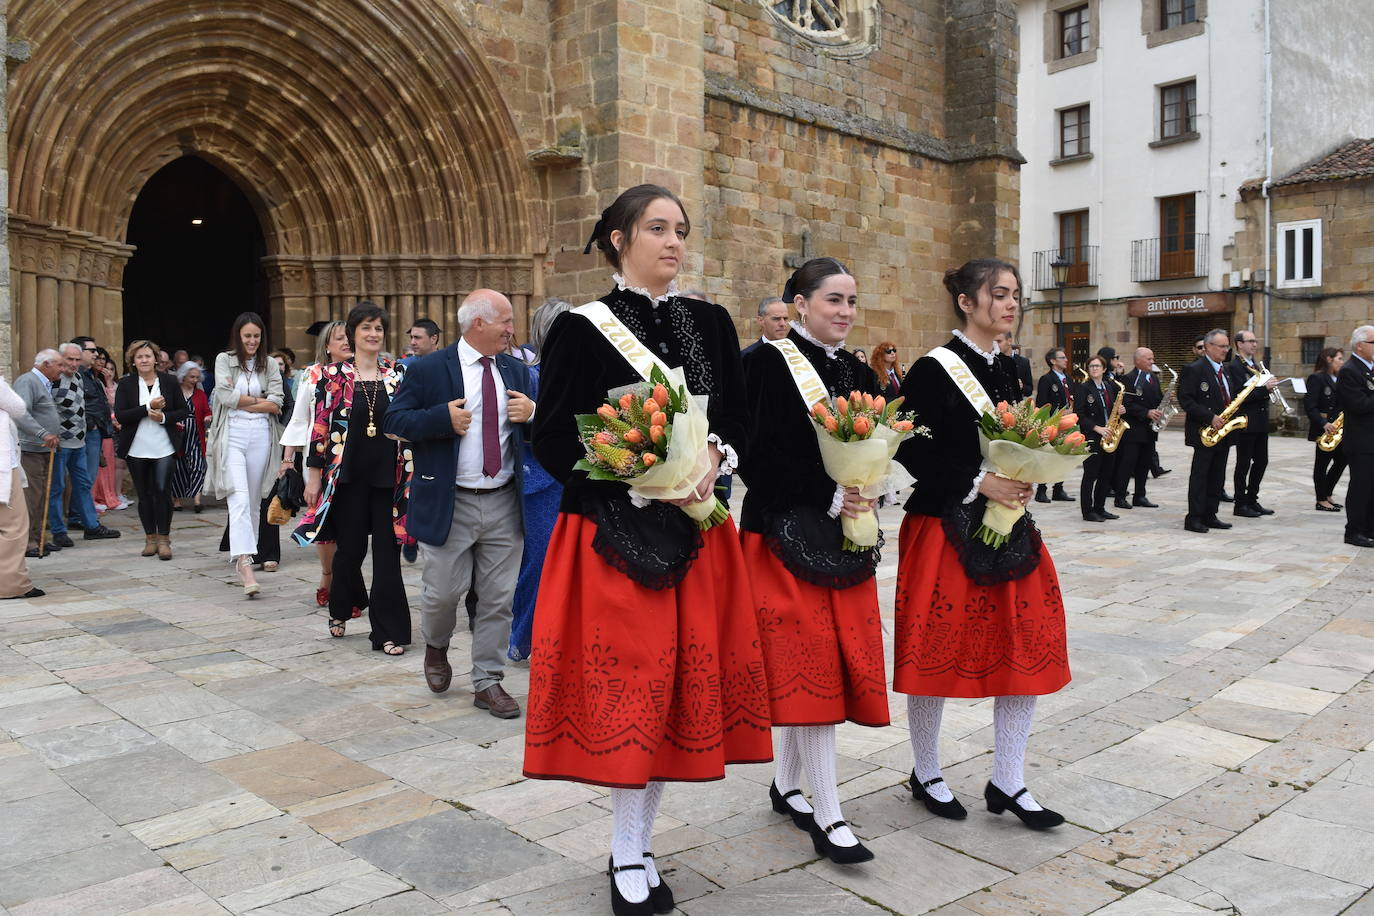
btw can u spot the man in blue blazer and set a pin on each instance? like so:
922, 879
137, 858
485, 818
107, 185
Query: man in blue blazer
465, 413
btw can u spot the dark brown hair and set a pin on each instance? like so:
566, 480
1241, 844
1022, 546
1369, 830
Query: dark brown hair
624, 215
236, 341
363, 311
1324, 359
974, 277
808, 278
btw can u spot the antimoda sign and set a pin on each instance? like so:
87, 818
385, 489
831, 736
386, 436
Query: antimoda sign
1189, 304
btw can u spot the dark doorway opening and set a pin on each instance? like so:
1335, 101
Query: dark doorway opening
197, 264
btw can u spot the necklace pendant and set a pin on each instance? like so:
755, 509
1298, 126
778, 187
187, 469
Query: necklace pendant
371, 429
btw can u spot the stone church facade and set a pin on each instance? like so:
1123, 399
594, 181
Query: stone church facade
409, 151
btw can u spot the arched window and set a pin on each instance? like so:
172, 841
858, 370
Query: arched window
840, 28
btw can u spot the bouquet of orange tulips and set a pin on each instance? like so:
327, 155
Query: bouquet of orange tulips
652, 436
1035, 445
858, 436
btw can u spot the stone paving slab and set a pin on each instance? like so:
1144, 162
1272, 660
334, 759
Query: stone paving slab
169, 747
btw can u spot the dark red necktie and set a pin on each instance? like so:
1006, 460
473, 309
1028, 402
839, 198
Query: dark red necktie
491, 423
1225, 395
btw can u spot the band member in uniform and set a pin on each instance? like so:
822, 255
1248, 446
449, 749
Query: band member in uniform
1323, 405
817, 603
1096, 400
1204, 390
1137, 450
645, 663
1055, 389
972, 620
1355, 388
1007, 347
1252, 442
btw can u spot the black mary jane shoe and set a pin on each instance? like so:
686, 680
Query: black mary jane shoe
660, 895
999, 801
840, 855
950, 809
802, 819
619, 905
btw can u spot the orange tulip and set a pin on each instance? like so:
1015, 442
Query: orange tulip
1003, 407
868, 401
1008, 420
649, 459
605, 438
820, 411
1048, 433
656, 433
831, 424
634, 436
650, 406
902, 426
862, 426
626, 400
606, 412
659, 418
1067, 420
1073, 440
880, 403
841, 406
660, 394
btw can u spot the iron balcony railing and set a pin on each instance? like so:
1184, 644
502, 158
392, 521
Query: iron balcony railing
1169, 258
1082, 266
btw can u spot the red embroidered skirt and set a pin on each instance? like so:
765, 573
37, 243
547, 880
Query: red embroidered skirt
628, 684
957, 639
822, 647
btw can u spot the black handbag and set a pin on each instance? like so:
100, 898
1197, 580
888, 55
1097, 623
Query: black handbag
290, 490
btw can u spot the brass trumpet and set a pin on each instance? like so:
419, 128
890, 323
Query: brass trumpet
1329, 442
1078, 374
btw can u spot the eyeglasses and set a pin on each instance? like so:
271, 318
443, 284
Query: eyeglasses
890, 350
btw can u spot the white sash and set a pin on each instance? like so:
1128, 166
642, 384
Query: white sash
640, 357
804, 375
963, 379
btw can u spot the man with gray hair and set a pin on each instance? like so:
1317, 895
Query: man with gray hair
1205, 388
1355, 390
465, 416
38, 437
72, 479
772, 321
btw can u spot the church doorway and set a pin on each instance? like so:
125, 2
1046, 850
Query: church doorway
197, 261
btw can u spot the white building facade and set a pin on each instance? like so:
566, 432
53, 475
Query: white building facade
1139, 121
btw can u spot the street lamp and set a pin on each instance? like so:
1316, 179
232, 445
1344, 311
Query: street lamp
1060, 265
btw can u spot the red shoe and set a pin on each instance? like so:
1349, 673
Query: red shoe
357, 612
322, 597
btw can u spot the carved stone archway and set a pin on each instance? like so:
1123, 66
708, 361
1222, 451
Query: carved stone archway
371, 138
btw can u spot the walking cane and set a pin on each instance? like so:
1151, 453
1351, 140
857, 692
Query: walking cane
47, 498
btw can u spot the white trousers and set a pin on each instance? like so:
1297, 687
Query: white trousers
246, 460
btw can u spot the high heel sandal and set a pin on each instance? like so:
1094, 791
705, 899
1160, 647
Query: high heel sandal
660, 895
802, 819
338, 628
619, 905
322, 593
840, 855
951, 809
243, 566
999, 801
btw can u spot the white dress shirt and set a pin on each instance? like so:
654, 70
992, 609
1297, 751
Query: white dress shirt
470, 452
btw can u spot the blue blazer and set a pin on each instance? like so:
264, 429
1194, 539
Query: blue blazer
419, 414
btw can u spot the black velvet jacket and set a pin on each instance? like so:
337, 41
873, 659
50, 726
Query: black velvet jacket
1321, 403
945, 464
784, 466
578, 366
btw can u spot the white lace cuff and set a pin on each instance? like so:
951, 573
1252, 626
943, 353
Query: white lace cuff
729, 459
639, 502
977, 482
836, 502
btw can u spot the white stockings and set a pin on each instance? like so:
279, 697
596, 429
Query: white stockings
1011, 719
632, 829
811, 748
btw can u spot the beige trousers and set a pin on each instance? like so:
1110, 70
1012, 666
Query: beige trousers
14, 537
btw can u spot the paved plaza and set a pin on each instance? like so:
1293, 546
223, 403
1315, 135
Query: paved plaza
168, 746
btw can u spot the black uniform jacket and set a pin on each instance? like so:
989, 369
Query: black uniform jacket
1256, 406
783, 468
1023, 375
945, 464
1094, 407
1355, 388
579, 366
1201, 397
129, 412
1049, 390
1147, 397
1322, 403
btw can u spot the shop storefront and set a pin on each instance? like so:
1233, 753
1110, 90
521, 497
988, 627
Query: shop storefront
1169, 324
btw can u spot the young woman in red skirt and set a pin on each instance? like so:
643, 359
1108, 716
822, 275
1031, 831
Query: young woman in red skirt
972, 621
817, 603
645, 663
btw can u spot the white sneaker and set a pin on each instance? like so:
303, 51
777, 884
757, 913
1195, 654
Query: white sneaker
124, 503
100, 507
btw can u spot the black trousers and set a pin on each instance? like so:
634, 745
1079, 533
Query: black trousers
1326, 472
1359, 495
1133, 461
356, 513
1206, 480
1252, 458
153, 483
1098, 472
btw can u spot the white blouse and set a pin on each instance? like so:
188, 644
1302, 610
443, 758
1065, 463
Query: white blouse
150, 439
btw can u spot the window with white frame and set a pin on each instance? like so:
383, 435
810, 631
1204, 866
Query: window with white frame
1300, 253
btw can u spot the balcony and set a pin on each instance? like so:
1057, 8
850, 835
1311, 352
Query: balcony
1173, 257
1082, 266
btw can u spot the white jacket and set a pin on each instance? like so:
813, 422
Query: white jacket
11, 406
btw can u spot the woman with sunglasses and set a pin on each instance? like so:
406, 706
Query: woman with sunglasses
887, 368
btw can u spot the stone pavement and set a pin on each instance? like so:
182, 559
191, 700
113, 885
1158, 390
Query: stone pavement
167, 746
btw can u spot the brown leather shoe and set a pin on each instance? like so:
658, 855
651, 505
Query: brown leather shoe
164, 547
438, 672
149, 545
496, 701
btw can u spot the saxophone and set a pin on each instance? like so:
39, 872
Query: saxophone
1229, 421
1168, 405
1116, 426
1329, 442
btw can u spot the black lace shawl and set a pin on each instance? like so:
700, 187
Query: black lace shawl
985, 565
